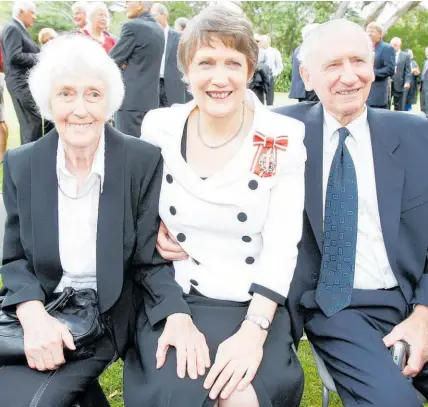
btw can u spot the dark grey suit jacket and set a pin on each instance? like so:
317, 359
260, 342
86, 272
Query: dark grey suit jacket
174, 85
400, 148
140, 47
19, 53
403, 71
384, 66
297, 90
127, 228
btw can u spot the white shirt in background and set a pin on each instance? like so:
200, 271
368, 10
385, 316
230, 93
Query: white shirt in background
162, 67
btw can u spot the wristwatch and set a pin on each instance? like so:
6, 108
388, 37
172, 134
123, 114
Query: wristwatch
262, 322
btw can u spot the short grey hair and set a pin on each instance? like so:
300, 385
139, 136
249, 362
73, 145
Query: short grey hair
94, 7
182, 22
378, 27
82, 5
308, 28
160, 9
74, 54
148, 5
24, 5
228, 24
312, 41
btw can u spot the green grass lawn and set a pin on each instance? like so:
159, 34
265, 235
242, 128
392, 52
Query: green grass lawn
111, 380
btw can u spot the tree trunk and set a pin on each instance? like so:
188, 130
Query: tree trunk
403, 9
374, 9
341, 10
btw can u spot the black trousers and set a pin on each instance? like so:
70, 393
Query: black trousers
350, 343
129, 122
30, 121
270, 95
399, 99
424, 100
21, 386
163, 100
260, 93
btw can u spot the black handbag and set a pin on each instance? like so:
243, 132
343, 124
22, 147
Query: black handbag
78, 309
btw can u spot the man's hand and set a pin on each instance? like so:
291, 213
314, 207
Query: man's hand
167, 246
407, 86
413, 330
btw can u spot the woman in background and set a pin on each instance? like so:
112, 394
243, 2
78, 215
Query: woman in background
98, 20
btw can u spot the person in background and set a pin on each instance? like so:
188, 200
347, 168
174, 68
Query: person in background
232, 196
46, 34
79, 9
171, 84
297, 90
401, 81
412, 96
139, 53
4, 131
98, 17
424, 85
384, 67
274, 61
20, 55
181, 23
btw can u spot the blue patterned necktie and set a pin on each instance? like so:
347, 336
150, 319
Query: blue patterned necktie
336, 278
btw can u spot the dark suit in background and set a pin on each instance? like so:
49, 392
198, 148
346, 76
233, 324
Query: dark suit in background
20, 55
424, 88
172, 88
297, 90
384, 67
350, 342
402, 75
139, 51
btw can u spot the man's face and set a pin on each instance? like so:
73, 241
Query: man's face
396, 44
134, 8
162, 19
27, 17
341, 75
374, 34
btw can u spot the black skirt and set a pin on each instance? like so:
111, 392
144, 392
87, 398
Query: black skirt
278, 383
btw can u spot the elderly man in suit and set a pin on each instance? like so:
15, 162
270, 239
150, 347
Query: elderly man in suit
297, 90
424, 85
171, 85
361, 280
384, 67
20, 55
139, 53
402, 78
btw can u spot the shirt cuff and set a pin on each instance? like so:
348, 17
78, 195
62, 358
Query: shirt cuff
268, 293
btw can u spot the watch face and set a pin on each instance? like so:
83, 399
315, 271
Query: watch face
264, 323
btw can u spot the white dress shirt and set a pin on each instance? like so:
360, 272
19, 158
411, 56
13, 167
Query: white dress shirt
77, 221
238, 228
372, 268
274, 61
162, 67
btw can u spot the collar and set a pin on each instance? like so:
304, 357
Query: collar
97, 165
20, 22
376, 44
166, 29
355, 127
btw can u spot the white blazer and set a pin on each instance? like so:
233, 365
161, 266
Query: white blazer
241, 226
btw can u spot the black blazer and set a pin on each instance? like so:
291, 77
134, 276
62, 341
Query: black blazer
140, 47
19, 53
400, 148
297, 90
128, 223
403, 71
384, 66
174, 85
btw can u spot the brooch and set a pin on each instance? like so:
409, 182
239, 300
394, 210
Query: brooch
265, 160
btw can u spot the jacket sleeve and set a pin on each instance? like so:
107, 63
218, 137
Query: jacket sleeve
12, 43
18, 276
421, 291
163, 296
124, 47
388, 66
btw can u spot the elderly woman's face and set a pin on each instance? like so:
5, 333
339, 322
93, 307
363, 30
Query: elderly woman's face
218, 78
79, 109
99, 19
